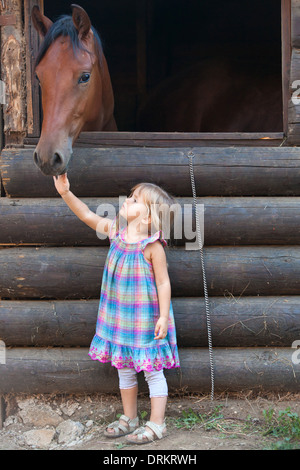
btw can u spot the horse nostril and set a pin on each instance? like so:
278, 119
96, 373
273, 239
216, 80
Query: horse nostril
36, 158
57, 160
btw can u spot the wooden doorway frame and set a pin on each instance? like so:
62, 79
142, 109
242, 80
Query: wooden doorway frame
157, 139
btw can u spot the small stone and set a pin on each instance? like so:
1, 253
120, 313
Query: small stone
10, 420
69, 430
69, 408
23, 403
39, 415
40, 438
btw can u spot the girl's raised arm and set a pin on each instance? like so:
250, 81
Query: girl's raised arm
101, 224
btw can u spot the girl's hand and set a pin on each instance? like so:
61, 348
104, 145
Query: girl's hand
161, 328
62, 184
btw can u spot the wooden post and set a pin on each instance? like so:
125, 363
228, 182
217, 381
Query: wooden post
32, 43
13, 72
286, 58
293, 104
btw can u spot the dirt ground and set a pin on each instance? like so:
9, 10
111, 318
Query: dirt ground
235, 422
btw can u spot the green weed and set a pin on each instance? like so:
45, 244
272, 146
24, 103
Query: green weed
285, 425
190, 418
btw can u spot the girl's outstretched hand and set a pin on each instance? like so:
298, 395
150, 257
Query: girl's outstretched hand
62, 184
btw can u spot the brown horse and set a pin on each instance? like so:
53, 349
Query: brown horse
76, 88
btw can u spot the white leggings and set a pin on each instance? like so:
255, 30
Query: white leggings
156, 381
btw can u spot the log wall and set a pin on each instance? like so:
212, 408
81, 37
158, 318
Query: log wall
51, 268
249, 321
63, 370
234, 220
68, 273
111, 172
51, 264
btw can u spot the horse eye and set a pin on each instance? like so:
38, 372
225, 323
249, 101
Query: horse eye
84, 78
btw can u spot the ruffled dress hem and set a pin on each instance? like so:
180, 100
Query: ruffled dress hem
163, 356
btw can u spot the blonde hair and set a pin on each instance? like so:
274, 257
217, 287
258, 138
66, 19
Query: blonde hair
160, 204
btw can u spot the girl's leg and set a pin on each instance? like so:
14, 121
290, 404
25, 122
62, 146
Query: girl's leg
158, 389
158, 409
129, 389
129, 401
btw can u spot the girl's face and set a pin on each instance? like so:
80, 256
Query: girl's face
134, 207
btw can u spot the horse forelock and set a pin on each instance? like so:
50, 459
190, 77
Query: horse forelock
64, 26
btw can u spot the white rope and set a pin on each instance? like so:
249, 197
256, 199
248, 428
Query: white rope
209, 334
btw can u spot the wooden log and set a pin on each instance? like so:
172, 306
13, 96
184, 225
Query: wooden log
172, 139
63, 370
227, 221
68, 273
244, 322
110, 172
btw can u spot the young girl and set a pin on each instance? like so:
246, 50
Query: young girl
135, 327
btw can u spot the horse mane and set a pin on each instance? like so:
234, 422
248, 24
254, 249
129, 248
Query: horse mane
64, 26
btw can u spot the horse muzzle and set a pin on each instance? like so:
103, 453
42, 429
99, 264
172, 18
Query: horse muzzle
52, 164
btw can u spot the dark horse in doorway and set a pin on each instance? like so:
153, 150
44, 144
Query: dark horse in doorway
217, 94
76, 88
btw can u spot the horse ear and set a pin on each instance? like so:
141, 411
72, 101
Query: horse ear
81, 21
40, 21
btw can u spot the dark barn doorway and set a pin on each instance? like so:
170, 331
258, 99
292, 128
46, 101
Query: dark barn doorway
159, 51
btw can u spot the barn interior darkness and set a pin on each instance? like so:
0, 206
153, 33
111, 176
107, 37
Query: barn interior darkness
149, 43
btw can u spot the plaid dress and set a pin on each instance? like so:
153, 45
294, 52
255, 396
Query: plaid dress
129, 309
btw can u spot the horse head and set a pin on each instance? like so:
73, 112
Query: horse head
75, 86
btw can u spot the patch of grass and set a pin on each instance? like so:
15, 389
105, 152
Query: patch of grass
143, 414
190, 418
283, 445
284, 425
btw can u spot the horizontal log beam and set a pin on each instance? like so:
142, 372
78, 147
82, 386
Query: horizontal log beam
227, 221
172, 139
68, 273
63, 370
110, 172
244, 322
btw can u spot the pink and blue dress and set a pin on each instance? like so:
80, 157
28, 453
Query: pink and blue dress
129, 309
